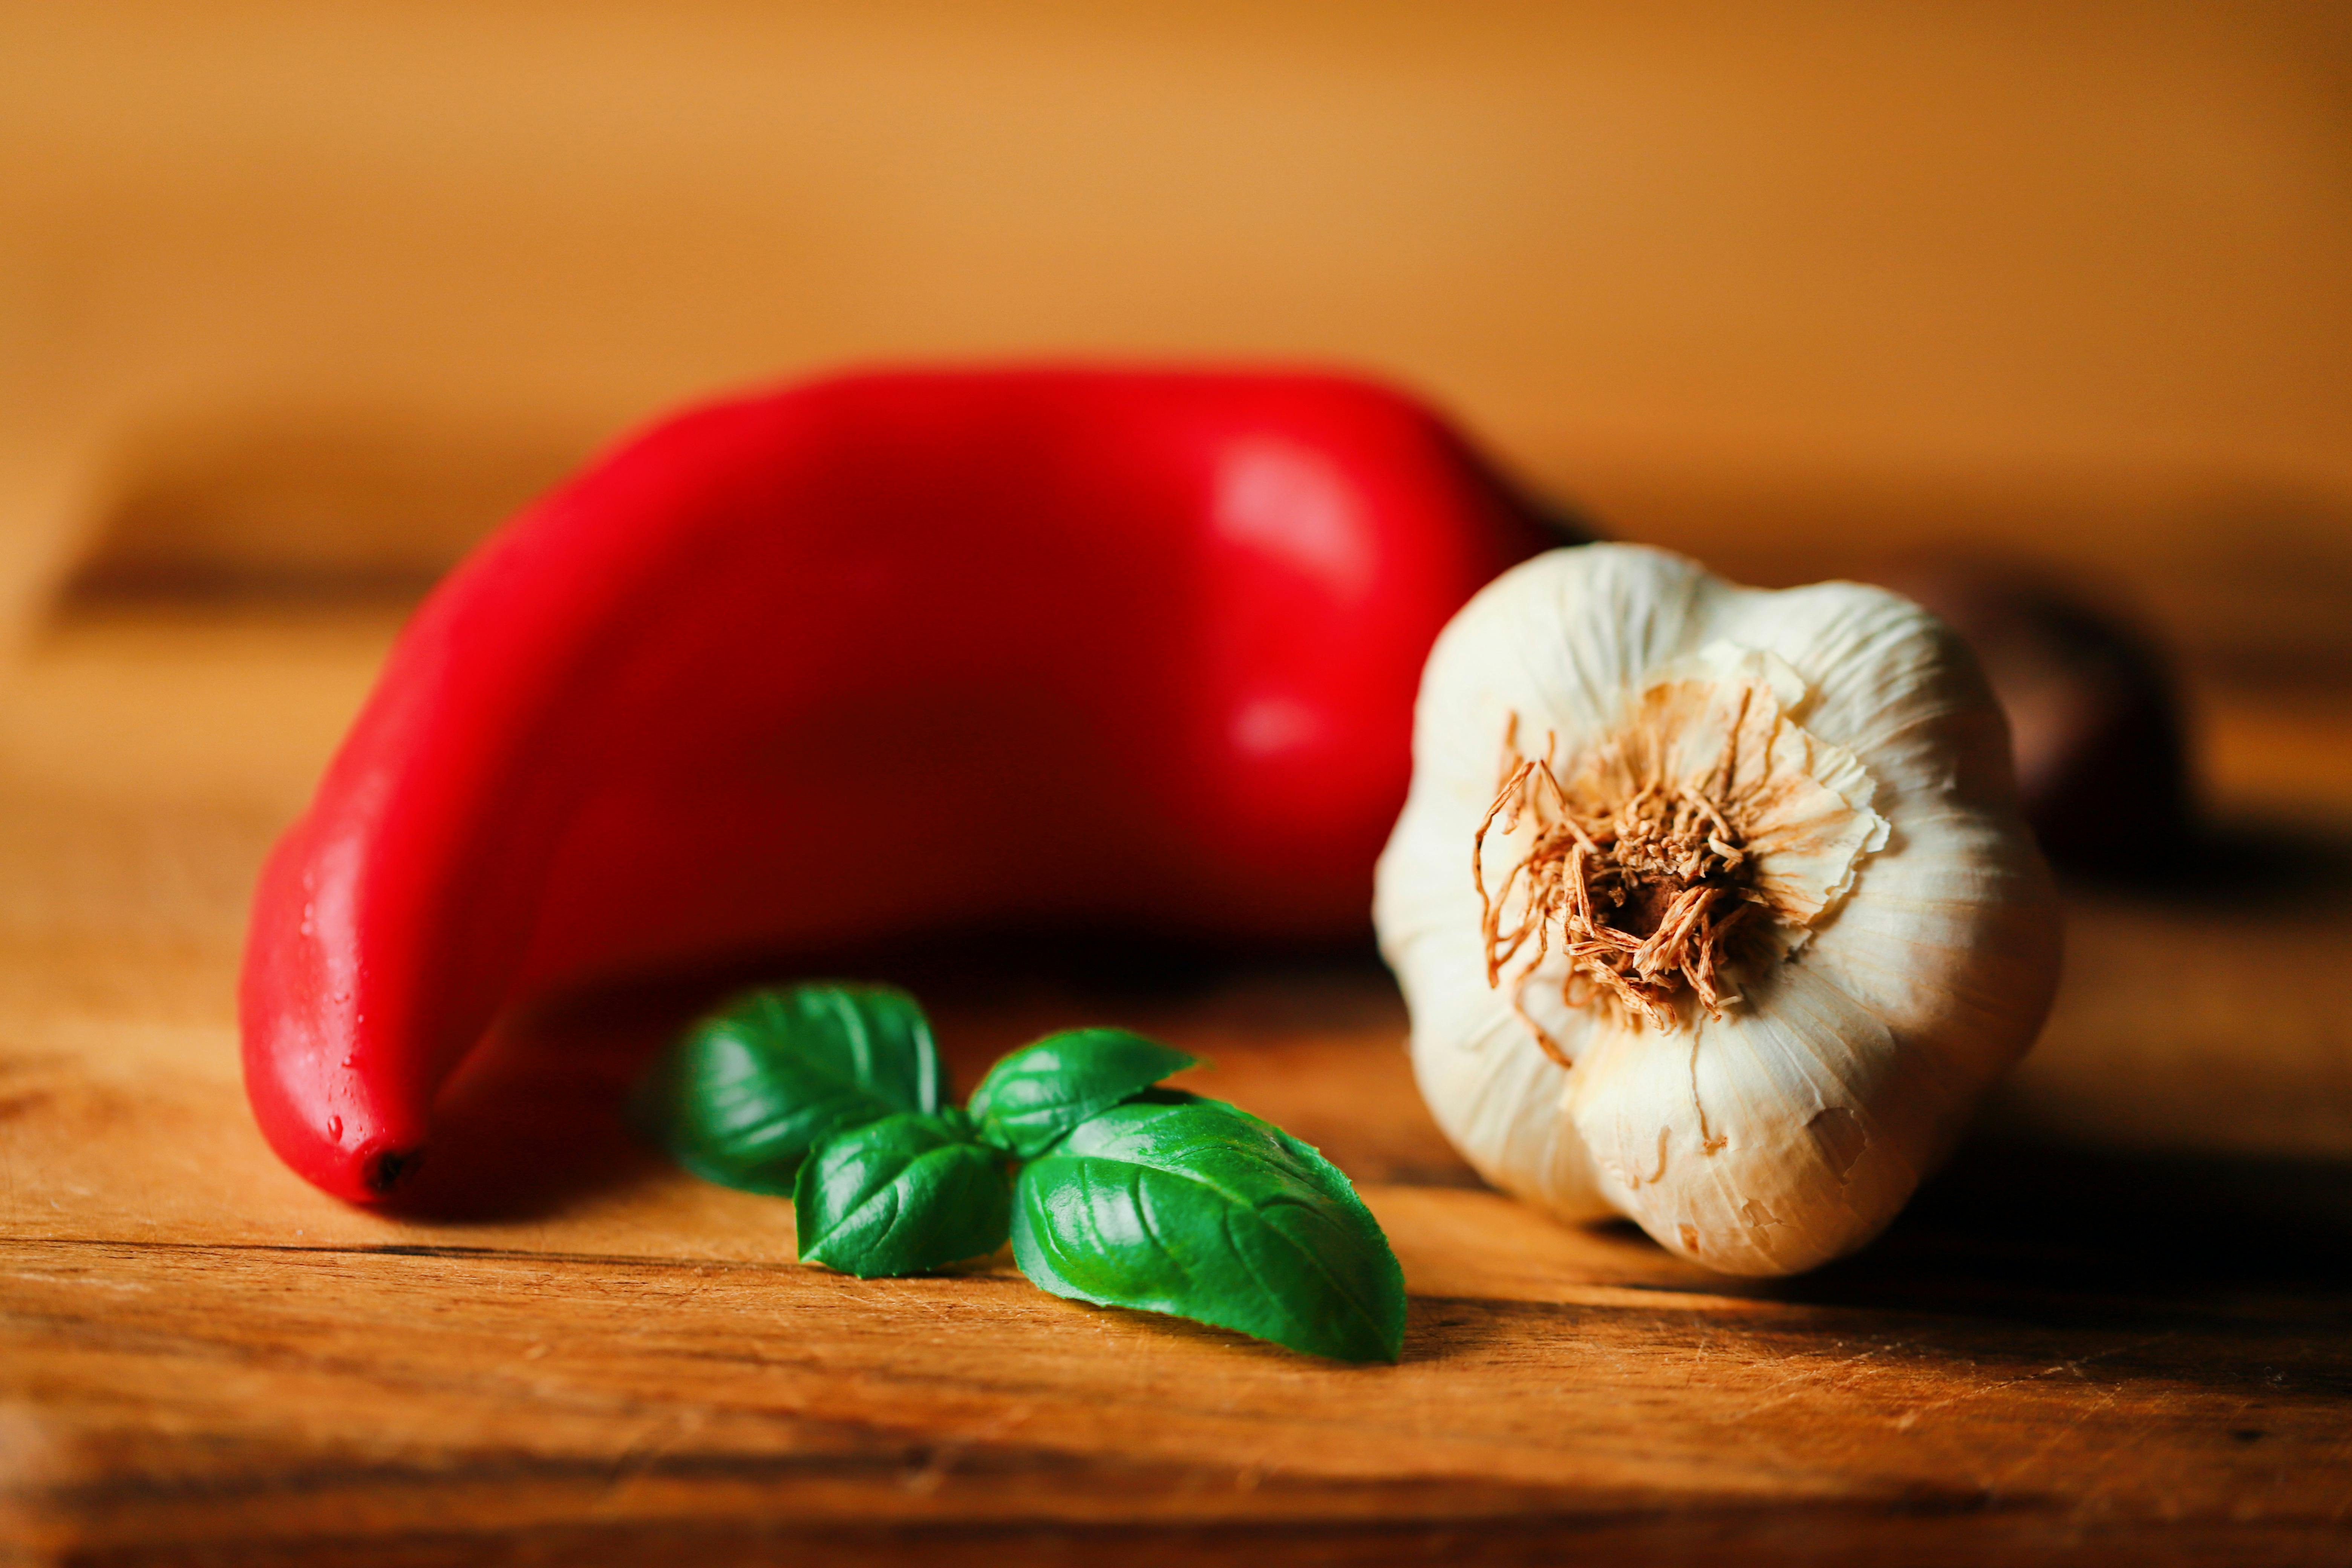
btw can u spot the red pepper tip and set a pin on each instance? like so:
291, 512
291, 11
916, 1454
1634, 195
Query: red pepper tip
384, 1169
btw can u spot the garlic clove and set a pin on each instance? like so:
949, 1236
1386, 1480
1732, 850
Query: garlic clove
1749, 861
1497, 1102
1503, 1112
1765, 1142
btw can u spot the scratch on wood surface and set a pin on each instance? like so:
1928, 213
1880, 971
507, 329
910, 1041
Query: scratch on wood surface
674, 1429
1006, 1421
88, 1282
2077, 1417
932, 1469
902, 1290
1910, 1417
1837, 1375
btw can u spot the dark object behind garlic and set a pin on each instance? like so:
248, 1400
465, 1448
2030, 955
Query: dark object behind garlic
2094, 711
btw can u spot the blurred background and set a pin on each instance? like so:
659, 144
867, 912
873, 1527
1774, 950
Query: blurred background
302, 299
298, 301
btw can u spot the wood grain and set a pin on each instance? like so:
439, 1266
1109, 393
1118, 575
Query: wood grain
2120, 1328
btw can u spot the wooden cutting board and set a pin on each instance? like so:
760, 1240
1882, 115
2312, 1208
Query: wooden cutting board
2119, 1328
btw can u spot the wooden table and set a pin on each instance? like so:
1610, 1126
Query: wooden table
2119, 1328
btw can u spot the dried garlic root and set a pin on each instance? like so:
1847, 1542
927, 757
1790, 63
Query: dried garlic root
1713, 906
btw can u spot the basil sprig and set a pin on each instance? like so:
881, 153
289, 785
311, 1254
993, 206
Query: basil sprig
1111, 1190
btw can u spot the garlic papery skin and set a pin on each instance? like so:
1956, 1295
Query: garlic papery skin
1712, 906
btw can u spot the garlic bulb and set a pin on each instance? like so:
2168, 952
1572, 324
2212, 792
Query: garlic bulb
1712, 906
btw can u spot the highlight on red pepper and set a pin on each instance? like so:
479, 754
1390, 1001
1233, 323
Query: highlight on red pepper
877, 654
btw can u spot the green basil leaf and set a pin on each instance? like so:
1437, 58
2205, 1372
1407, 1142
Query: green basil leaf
1041, 1092
749, 1090
1179, 1204
900, 1196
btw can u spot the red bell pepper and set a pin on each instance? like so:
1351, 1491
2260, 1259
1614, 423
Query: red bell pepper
881, 652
